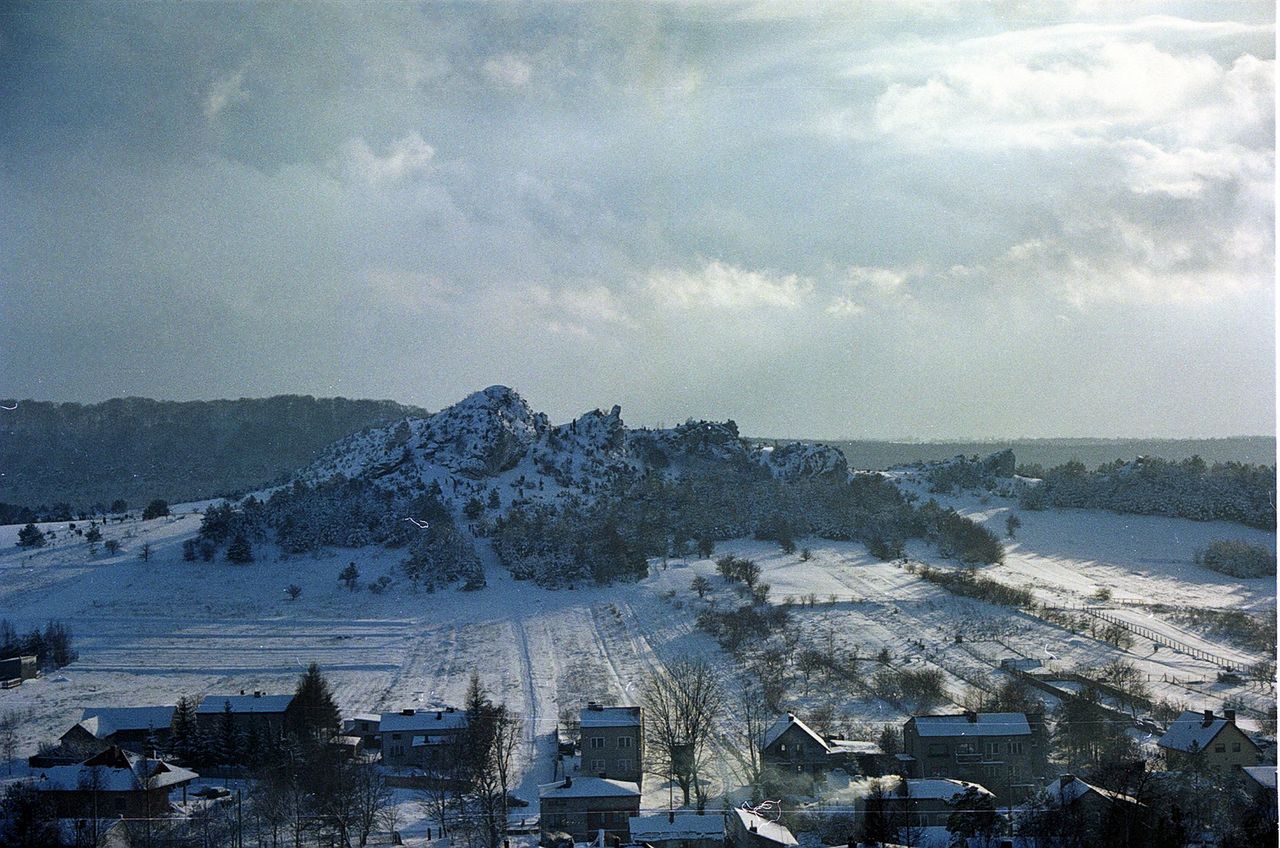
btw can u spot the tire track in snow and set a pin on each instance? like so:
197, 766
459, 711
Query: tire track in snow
603, 642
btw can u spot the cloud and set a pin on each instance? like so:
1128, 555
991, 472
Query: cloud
407, 157
508, 70
720, 286
223, 92
844, 306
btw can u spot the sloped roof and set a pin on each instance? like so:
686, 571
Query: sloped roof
422, 721
785, 721
245, 704
1075, 789
1190, 729
610, 717
941, 789
590, 787
687, 825
770, 830
104, 721
982, 724
113, 770
1264, 776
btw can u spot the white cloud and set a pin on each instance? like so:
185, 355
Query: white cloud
844, 306
225, 91
508, 70
407, 157
717, 285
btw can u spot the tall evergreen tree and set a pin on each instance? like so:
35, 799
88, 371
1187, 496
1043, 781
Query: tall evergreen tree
315, 716
183, 742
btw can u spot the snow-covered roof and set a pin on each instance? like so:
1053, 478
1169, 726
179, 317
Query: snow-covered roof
242, 704
1190, 730
104, 721
598, 716
1069, 788
113, 770
1264, 776
687, 825
853, 746
941, 789
589, 787
770, 830
780, 726
424, 721
373, 717
973, 724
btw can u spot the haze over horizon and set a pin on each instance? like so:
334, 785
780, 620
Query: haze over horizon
826, 221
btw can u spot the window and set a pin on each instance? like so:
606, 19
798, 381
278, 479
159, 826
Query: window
1235, 747
597, 766
1015, 748
991, 748
624, 741
937, 749
782, 749
1220, 748
597, 743
624, 766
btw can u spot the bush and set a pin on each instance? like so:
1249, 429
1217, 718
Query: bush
30, 537
1238, 559
156, 509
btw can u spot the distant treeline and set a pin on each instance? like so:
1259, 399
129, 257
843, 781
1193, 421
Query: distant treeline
1188, 488
51, 646
1048, 453
79, 458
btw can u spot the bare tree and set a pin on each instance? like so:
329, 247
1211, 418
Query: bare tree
754, 718
682, 704
9, 722
371, 797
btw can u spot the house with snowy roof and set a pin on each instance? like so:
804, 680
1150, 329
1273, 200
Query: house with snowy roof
1260, 783
679, 829
254, 713
138, 729
366, 726
582, 807
1070, 790
791, 745
420, 738
112, 783
1205, 740
612, 742
747, 829
1007, 752
912, 803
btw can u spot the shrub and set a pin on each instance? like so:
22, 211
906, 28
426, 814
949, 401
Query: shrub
156, 509
31, 537
1239, 559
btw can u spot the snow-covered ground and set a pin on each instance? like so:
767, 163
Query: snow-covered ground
149, 632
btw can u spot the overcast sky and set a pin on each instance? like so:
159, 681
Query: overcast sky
860, 220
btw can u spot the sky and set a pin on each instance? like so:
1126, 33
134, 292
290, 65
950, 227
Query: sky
853, 220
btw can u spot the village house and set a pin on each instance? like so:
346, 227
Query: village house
1202, 740
137, 729
14, 670
419, 738
583, 806
1094, 802
1260, 783
112, 783
790, 745
913, 803
256, 713
679, 829
1007, 752
366, 726
745, 829
612, 742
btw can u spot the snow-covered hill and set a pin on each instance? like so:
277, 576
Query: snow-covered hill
493, 441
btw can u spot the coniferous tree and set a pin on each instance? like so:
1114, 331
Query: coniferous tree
182, 741
156, 509
239, 551
315, 714
31, 537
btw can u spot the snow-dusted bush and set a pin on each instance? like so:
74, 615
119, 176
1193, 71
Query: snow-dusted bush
1238, 558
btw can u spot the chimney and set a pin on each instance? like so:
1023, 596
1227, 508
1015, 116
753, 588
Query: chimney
439, 715
671, 816
408, 711
1230, 716
1208, 718
971, 716
568, 782
257, 694
241, 691
1065, 780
